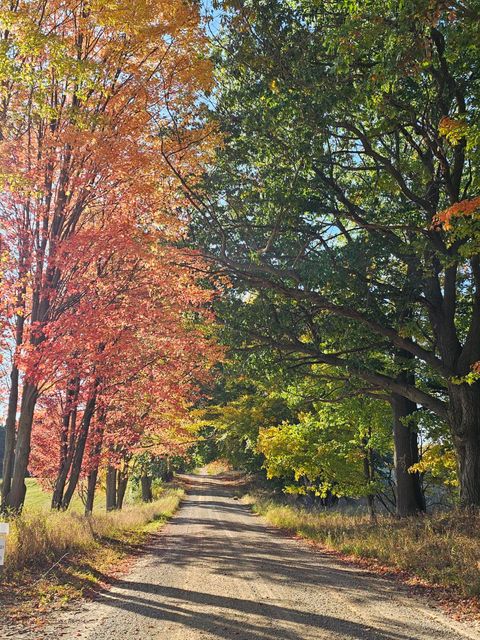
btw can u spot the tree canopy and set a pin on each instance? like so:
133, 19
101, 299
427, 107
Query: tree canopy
268, 229
350, 155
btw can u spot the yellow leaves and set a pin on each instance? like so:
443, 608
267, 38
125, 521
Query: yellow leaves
17, 184
453, 130
150, 20
250, 297
440, 462
274, 86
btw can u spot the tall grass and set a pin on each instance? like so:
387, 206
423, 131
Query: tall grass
442, 549
39, 538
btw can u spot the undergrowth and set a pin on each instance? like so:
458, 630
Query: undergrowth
38, 538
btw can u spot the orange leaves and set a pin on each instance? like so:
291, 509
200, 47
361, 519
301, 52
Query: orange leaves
461, 209
457, 131
102, 116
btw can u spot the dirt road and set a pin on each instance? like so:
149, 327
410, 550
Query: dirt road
217, 572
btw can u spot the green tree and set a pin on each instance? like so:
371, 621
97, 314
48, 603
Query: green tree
237, 425
326, 196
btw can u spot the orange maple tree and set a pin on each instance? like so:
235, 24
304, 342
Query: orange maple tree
97, 95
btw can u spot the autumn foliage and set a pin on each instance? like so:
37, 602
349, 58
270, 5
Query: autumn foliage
105, 323
462, 209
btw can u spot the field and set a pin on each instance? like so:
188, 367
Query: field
39, 498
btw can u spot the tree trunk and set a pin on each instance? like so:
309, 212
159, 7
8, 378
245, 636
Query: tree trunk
95, 450
79, 451
10, 432
11, 419
371, 507
16, 496
465, 424
67, 444
111, 488
60, 482
410, 499
369, 474
91, 487
147, 494
122, 482
64, 467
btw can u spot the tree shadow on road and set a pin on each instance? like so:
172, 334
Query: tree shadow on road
220, 537
229, 618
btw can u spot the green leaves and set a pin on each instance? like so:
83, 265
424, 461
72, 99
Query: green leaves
349, 127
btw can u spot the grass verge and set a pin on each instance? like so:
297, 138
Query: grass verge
55, 557
441, 549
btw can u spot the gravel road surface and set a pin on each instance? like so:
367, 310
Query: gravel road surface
218, 572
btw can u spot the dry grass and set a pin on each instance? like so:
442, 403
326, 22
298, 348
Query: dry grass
39, 538
53, 558
216, 468
442, 549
